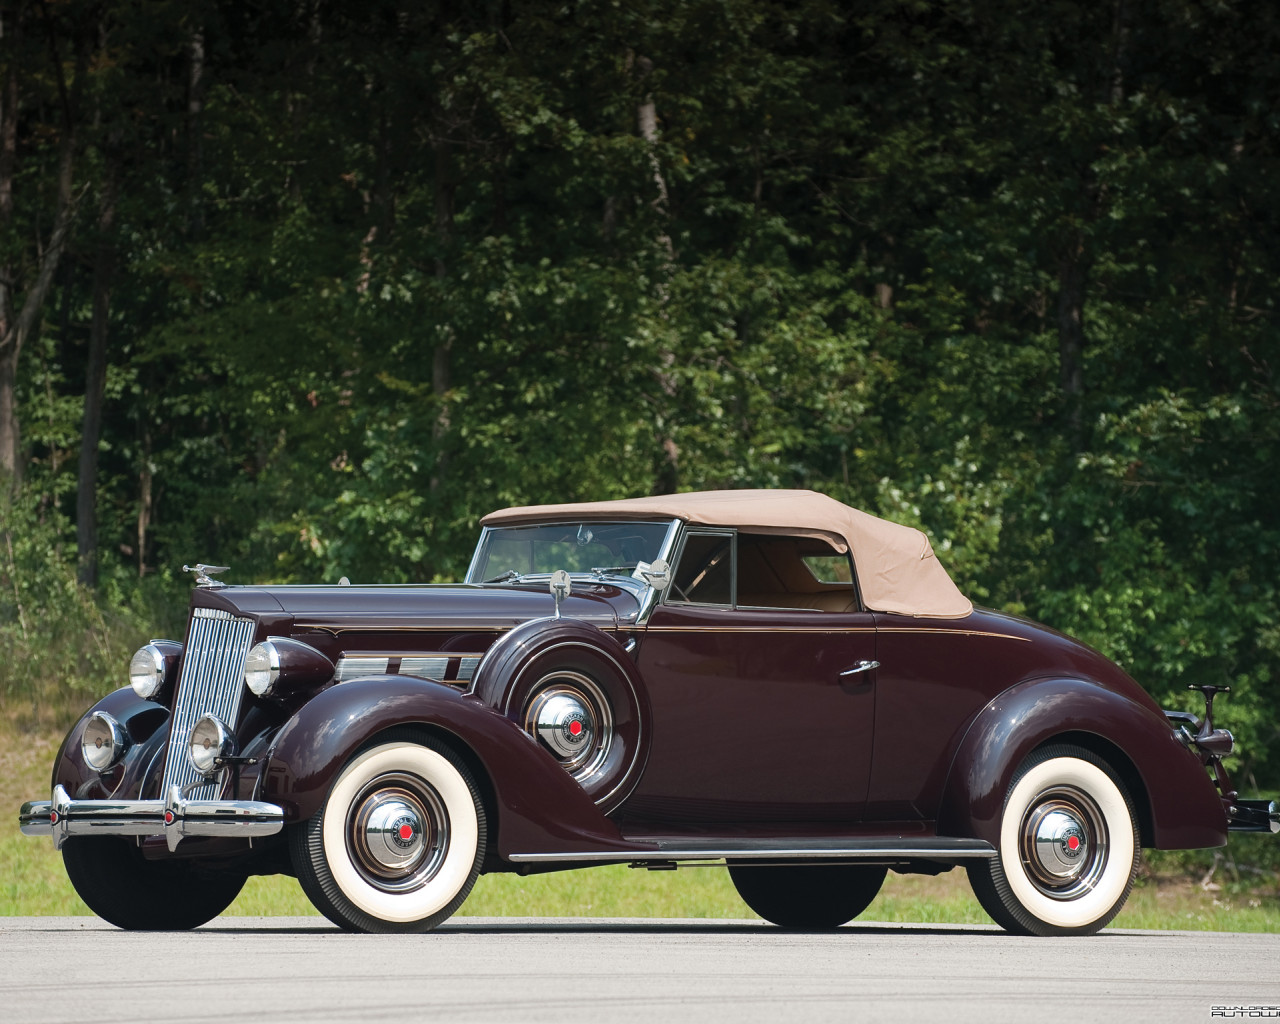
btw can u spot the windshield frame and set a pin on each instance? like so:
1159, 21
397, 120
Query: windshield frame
626, 580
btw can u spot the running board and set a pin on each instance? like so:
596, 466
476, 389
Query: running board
891, 849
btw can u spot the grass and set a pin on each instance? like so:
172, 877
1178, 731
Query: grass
32, 882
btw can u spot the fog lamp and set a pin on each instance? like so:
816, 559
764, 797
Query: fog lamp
210, 740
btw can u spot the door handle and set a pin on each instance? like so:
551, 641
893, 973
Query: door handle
859, 668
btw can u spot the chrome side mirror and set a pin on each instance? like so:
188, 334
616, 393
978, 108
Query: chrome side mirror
657, 575
560, 587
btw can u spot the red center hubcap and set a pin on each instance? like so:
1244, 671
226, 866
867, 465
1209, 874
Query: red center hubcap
575, 728
406, 832
1073, 843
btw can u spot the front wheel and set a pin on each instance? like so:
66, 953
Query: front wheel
398, 844
122, 887
808, 897
1068, 850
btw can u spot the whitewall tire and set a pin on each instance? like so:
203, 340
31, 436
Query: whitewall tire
399, 842
1068, 850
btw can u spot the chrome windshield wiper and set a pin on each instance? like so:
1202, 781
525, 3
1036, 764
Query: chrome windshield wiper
613, 570
504, 577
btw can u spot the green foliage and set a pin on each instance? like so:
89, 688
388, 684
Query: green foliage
384, 267
65, 647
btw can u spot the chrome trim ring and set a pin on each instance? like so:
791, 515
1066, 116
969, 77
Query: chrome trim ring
397, 832
1063, 843
562, 700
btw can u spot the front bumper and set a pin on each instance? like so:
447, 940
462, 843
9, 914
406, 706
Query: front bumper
174, 817
1255, 816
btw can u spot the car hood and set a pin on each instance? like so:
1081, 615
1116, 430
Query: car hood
458, 606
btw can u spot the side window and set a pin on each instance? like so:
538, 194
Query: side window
705, 572
800, 573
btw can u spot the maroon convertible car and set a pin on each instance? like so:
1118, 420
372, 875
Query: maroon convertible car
765, 679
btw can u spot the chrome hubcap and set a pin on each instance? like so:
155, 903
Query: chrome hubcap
397, 832
1063, 843
570, 716
564, 723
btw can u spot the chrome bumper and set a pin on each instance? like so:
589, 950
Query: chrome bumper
174, 818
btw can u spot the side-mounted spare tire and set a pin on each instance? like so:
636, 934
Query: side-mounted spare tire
577, 693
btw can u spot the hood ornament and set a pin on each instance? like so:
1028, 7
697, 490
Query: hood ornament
205, 573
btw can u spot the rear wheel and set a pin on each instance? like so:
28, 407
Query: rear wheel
1068, 850
809, 897
398, 844
122, 887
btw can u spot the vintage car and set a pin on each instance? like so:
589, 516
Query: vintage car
764, 679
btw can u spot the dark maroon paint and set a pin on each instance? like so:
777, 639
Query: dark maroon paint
734, 722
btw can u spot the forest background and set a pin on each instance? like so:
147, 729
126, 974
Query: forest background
307, 288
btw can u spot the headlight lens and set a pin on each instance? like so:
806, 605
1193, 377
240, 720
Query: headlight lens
146, 671
210, 740
262, 669
103, 742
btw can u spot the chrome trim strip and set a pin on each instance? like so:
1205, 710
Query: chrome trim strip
608, 624
62, 817
433, 665
932, 848
833, 628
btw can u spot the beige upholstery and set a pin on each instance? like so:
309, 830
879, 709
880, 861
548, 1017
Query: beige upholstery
833, 601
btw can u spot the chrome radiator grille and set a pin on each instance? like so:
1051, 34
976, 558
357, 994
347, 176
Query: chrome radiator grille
211, 682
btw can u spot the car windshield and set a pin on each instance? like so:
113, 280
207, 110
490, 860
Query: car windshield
577, 547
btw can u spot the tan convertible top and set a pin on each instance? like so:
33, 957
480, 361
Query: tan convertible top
897, 569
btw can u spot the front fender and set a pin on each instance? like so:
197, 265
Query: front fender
539, 808
145, 725
1183, 810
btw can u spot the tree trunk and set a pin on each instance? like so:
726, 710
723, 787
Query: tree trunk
10, 34
195, 133
144, 497
440, 358
95, 385
1071, 289
667, 479
16, 327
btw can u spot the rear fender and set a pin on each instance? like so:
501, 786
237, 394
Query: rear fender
1179, 805
538, 806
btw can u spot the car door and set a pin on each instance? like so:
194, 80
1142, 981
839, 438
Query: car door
762, 704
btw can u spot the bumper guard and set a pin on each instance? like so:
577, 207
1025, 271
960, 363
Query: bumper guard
174, 817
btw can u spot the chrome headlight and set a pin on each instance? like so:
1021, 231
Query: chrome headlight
153, 666
103, 742
146, 671
210, 740
262, 668
283, 669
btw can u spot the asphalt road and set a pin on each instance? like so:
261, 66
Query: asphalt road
570, 971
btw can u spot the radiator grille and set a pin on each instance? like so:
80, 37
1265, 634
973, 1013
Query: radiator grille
211, 682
